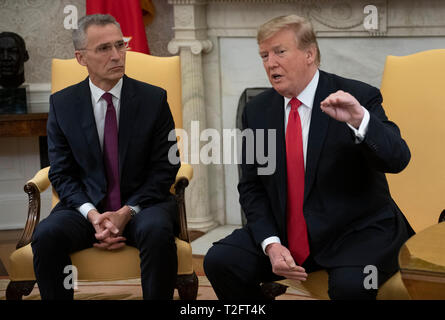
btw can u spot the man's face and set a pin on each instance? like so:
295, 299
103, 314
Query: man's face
104, 56
11, 62
288, 68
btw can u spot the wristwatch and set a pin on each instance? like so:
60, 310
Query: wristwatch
132, 212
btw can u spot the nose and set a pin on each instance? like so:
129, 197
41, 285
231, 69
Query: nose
4, 54
115, 53
271, 61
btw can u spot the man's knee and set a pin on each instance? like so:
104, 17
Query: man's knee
46, 236
154, 226
349, 284
213, 262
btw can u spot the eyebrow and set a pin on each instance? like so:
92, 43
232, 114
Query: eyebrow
279, 46
106, 43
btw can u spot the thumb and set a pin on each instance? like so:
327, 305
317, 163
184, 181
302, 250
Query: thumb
100, 218
103, 234
110, 226
289, 261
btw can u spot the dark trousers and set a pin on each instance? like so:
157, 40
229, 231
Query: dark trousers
236, 271
65, 231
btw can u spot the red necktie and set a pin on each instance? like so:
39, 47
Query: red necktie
296, 224
111, 156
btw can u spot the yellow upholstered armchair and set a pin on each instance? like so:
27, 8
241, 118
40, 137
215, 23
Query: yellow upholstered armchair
94, 264
413, 89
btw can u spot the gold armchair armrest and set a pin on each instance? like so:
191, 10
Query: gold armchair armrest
38, 184
184, 175
184, 172
41, 180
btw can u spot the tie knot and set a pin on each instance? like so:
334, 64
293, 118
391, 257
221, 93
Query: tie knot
107, 97
295, 104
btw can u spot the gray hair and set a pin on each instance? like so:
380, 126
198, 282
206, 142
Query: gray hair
80, 34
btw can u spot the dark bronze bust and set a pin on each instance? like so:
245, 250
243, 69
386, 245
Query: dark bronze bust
13, 55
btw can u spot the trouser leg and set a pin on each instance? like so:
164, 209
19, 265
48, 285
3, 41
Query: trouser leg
61, 233
152, 232
237, 270
349, 283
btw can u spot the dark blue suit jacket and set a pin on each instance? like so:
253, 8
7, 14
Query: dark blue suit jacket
77, 170
351, 218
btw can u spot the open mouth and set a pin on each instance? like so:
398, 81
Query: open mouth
276, 76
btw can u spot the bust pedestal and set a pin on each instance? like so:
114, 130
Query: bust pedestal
13, 100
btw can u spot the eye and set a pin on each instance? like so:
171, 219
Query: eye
104, 48
120, 45
264, 56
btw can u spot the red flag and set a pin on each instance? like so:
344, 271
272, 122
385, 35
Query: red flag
129, 15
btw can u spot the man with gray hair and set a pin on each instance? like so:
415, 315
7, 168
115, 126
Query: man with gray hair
327, 206
108, 151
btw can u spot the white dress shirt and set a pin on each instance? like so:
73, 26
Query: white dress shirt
100, 110
306, 98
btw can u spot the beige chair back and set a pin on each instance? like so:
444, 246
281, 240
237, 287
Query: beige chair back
413, 89
164, 72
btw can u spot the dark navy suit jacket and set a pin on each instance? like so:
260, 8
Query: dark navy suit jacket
77, 171
351, 218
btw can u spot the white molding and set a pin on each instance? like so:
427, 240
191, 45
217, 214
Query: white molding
12, 226
38, 97
14, 209
196, 46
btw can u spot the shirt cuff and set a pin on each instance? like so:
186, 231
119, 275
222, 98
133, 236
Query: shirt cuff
136, 209
363, 129
268, 241
85, 208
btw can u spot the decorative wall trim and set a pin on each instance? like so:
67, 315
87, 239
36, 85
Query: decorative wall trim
331, 18
38, 97
196, 46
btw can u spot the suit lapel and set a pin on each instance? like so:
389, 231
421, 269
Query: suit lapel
84, 110
317, 133
275, 114
127, 118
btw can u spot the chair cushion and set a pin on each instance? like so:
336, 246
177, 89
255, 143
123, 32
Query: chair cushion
316, 286
99, 265
393, 289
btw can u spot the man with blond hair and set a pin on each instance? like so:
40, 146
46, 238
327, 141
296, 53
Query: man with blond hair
327, 205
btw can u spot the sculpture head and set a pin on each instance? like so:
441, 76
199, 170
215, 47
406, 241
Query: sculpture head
13, 55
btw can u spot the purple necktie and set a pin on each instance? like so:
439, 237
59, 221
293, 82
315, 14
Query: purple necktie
111, 156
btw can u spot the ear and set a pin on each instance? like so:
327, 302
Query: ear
25, 56
80, 56
311, 53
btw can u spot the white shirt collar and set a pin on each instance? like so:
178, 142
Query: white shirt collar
97, 92
308, 94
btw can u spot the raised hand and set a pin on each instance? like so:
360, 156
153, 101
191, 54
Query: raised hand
343, 107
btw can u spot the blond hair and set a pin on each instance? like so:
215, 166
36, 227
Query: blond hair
304, 32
